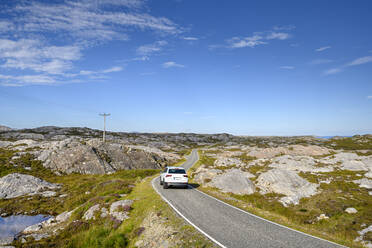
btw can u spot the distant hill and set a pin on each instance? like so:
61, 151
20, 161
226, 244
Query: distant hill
5, 128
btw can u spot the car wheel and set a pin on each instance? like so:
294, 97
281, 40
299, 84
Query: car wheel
165, 185
161, 182
186, 186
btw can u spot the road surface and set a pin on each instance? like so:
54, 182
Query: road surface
228, 226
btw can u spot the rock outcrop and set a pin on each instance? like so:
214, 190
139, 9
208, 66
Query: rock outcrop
95, 157
234, 181
299, 163
287, 183
15, 185
296, 150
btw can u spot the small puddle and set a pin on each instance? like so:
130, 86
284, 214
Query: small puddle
10, 226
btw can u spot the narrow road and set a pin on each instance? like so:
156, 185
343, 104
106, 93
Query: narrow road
228, 226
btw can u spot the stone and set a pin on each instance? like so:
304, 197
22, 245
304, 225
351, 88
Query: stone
287, 183
48, 193
104, 212
89, 214
297, 150
120, 208
322, 217
299, 163
33, 228
234, 181
364, 183
64, 216
351, 211
16, 184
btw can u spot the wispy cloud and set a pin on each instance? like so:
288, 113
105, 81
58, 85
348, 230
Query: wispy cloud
252, 41
89, 20
320, 49
149, 49
258, 38
34, 55
170, 64
100, 73
355, 62
287, 67
369, 97
360, 61
30, 34
190, 38
332, 71
277, 35
284, 27
321, 61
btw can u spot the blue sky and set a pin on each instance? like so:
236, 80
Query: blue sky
242, 67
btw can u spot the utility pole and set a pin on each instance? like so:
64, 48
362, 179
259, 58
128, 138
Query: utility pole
104, 125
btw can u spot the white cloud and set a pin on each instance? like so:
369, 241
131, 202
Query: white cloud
151, 48
31, 33
170, 64
113, 69
287, 67
369, 97
187, 113
284, 27
88, 20
252, 41
321, 61
258, 38
34, 55
320, 49
99, 74
360, 61
332, 71
190, 38
277, 35
7, 80
355, 62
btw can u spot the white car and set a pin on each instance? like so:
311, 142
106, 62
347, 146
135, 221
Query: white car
174, 176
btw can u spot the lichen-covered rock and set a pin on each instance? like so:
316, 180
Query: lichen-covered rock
299, 163
226, 162
287, 183
16, 184
89, 214
203, 175
234, 181
296, 150
351, 211
119, 209
364, 183
95, 157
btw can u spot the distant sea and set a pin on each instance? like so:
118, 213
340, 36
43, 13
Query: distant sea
330, 137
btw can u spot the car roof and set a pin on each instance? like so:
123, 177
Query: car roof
174, 167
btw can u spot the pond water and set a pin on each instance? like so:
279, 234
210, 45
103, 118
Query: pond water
10, 226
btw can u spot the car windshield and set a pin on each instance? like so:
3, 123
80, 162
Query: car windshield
176, 171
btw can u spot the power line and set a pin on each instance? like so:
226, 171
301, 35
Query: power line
104, 126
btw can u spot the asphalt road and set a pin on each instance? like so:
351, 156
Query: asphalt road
228, 226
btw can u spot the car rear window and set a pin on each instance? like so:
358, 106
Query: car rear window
177, 171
